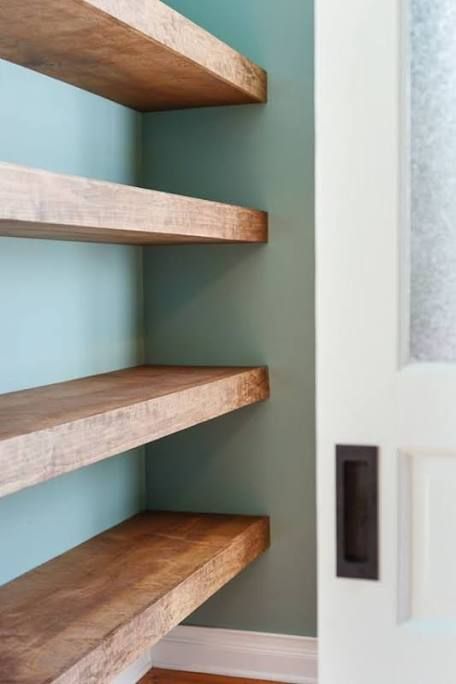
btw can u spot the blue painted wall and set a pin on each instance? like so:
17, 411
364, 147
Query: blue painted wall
67, 309
245, 305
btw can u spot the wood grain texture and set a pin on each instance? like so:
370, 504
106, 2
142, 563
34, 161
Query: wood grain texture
88, 614
141, 53
40, 204
159, 676
51, 430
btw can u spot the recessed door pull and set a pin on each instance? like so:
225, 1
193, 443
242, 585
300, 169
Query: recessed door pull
357, 512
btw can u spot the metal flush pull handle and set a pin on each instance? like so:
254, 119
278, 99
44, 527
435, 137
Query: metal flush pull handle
357, 511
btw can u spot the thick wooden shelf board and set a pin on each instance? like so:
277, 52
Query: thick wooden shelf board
35, 203
141, 53
88, 614
51, 430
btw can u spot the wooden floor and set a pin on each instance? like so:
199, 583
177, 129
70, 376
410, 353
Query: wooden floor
156, 676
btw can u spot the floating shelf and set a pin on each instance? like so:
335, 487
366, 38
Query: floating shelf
35, 203
141, 53
88, 614
51, 430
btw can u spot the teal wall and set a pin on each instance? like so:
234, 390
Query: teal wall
245, 305
69, 310
66, 309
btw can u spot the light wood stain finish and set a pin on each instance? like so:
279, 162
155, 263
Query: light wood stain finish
141, 53
51, 430
159, 676
40, 204
88, 614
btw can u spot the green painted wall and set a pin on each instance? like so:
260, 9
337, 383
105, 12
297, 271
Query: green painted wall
66, 309
245, 305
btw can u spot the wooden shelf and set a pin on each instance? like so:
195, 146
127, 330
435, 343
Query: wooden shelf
35, 203
141, 53
51, 430
88, 614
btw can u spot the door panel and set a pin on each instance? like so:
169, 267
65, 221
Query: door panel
428, 487
386, 332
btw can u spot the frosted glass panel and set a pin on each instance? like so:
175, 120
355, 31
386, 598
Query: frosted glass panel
433, 180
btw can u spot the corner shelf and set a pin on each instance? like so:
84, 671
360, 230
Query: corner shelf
88, 614
40, 204
142, 54
51, 430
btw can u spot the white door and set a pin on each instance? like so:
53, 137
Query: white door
386, 338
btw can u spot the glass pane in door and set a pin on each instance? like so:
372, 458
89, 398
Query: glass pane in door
433, 180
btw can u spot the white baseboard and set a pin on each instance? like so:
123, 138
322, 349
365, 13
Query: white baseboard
134, 673
233, 653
